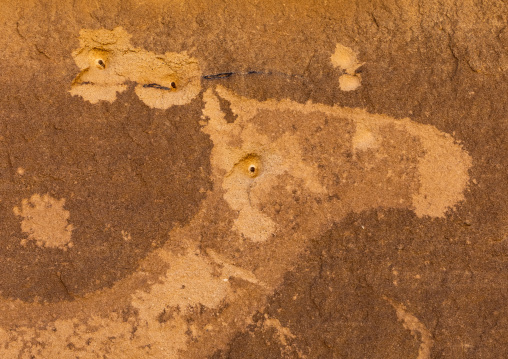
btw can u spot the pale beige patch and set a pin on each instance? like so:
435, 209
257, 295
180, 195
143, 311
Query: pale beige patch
188, 282
12, 344
46, 221
231, 270
442, 164
107, 61
237, 184
349, 82
364, 138
254, 225
443, 174
95, 93
346, 59
283, 332
411, 323
112, 335
254, 164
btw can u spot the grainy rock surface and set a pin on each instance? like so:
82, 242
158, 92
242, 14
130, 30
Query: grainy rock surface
238, 179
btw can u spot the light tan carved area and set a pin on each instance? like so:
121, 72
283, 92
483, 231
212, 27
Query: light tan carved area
108, 62
443, 174
45, 221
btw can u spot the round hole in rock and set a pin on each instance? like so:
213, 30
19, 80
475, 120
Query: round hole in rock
251, 165
101, 64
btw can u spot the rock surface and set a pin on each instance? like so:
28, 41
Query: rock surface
253, 179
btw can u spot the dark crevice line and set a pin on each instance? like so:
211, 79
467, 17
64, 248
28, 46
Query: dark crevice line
224, 75
59, 276
150, 85
157, 86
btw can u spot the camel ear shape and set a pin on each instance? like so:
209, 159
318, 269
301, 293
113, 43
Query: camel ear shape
443, 169
407, 165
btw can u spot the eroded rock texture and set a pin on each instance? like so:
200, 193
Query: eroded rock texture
253, 180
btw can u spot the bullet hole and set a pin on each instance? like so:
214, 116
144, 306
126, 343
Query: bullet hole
250, 165
101, 64
173, 85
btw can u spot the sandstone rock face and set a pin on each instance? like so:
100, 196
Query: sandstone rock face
253, 179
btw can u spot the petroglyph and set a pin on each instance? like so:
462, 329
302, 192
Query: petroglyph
46, 221
108, 62
283, 174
